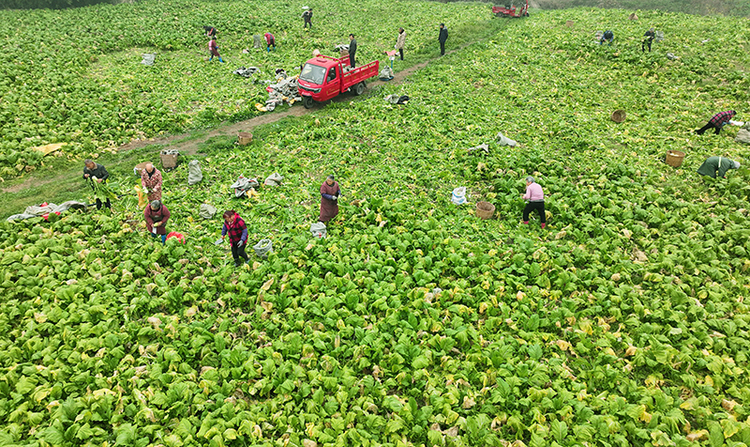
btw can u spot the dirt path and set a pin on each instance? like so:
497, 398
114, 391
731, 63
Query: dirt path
190, 147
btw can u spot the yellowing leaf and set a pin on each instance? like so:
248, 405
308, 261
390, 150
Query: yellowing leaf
267, 285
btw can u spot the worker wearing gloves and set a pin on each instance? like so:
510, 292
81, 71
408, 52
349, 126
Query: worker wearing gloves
213, 47
95, 172
270, 42
718, 121
400, 41
157, 215
151, 182
649, 37
720, 165
352, 50
235, 227
535, 201
329, 199
442, 38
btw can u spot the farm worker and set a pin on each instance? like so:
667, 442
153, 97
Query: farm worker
157, 215
95, 172
649, 37
712, 165
210, 31
329, 199
352, 49
718, 121
270, 42
400, 41
535, 201
608, 35
213, 47
237, 230
442, 37
151, 182
307, 16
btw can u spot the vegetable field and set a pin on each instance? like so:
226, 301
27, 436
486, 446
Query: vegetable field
415, 323
75, 76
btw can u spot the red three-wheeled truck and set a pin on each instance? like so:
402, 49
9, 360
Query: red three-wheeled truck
324, 77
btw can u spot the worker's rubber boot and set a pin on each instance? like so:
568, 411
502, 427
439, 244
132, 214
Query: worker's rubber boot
543, 225
525, 222
221, 60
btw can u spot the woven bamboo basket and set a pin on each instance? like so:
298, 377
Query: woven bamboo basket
169, 161
675, 158
618, 116
139, 167
244, 138
485, 210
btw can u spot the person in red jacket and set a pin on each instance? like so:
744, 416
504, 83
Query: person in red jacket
235, 227
213, 47
270, 42
157, 215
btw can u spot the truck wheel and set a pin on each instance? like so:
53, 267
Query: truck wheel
307, 101
359, 88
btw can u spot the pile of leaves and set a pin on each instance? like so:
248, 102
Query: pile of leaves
414, 322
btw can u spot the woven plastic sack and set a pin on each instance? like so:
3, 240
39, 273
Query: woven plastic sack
459, 195
502, 140
207, 211
195, 174
318, 229
244, 184
743, 136
263, 248
273, 179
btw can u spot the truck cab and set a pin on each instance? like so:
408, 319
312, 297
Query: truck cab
321, 78
324, 77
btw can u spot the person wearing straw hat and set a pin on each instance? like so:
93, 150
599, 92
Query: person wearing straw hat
534, 198
235, 227
720, 165
157, 215
329, 199
717, 121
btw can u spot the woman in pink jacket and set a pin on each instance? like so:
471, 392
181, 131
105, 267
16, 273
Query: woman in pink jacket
535, 201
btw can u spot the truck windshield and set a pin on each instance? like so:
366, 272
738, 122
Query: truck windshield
313, 73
